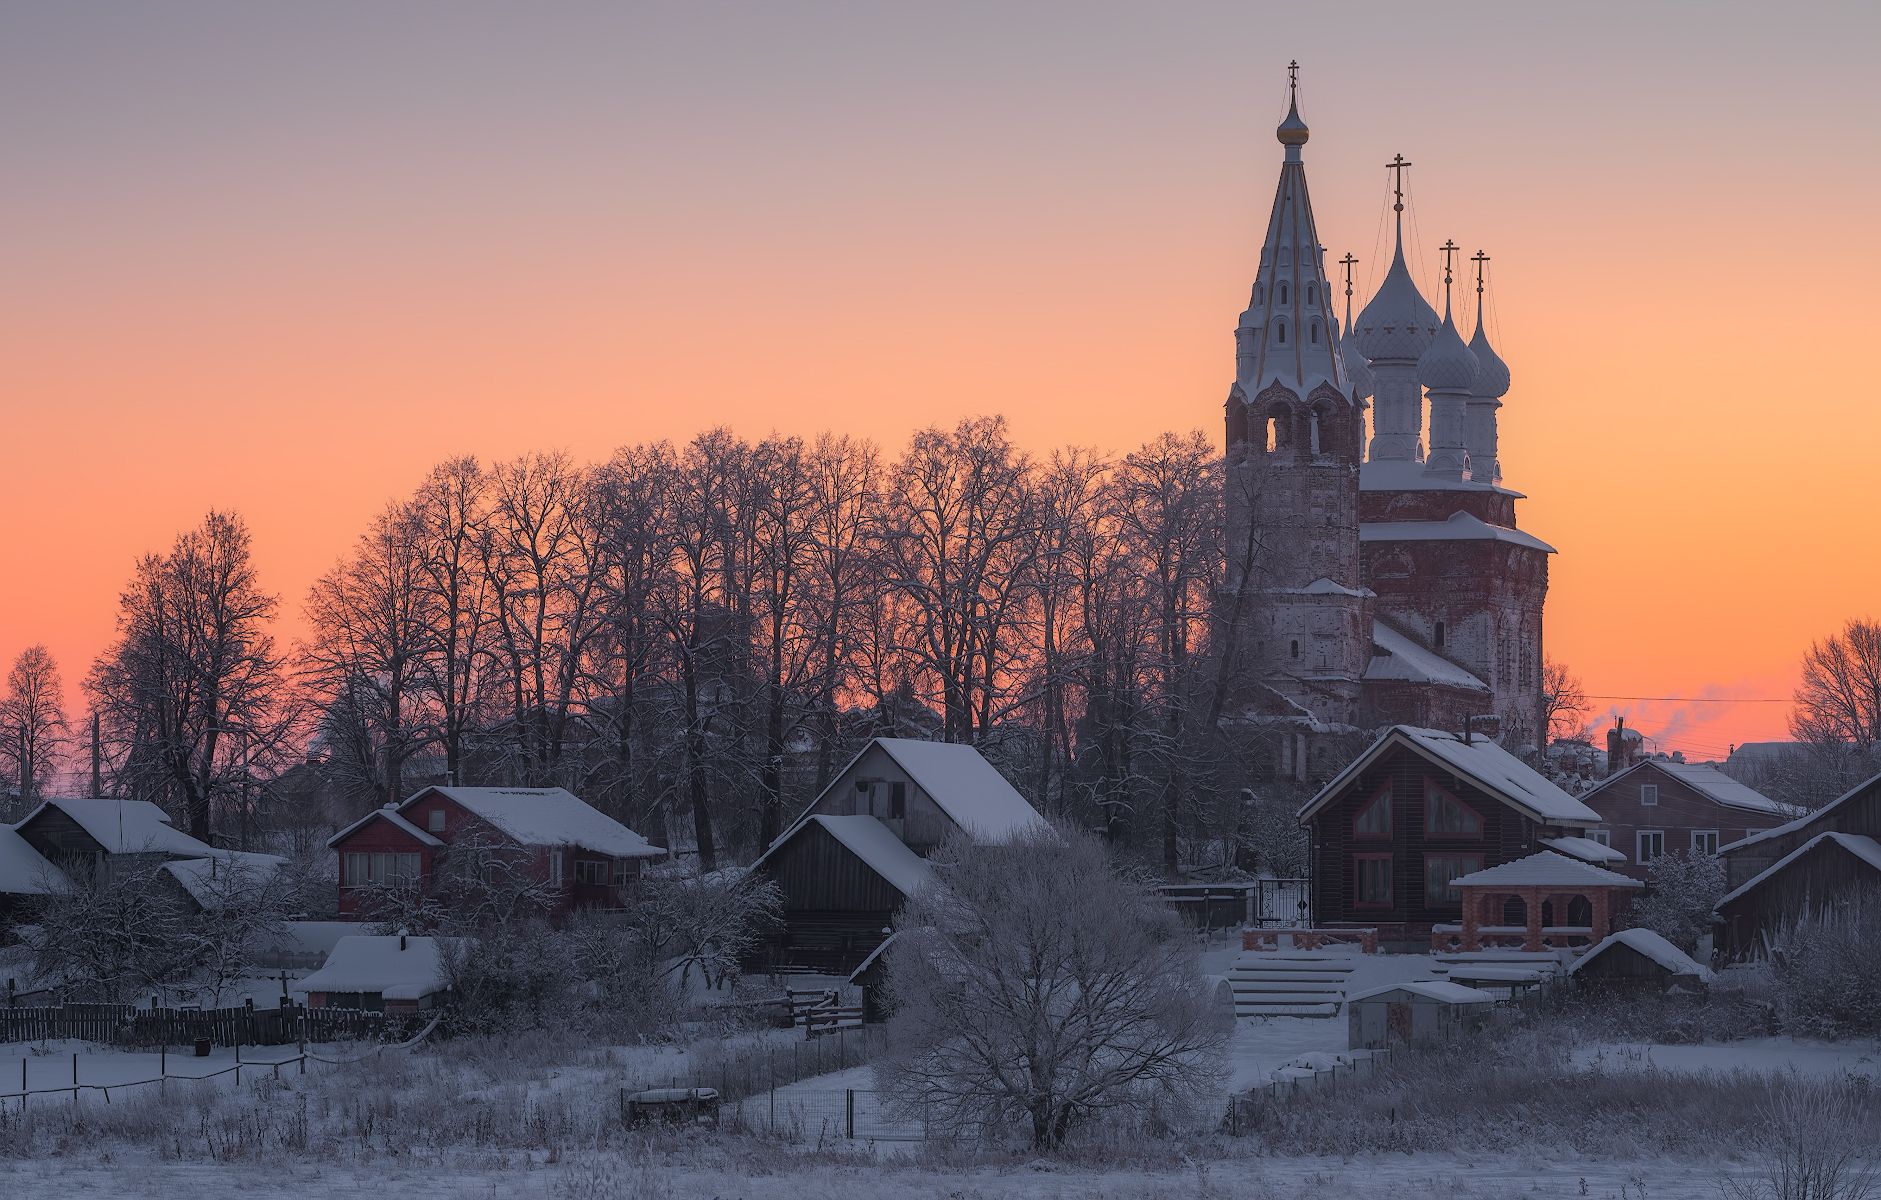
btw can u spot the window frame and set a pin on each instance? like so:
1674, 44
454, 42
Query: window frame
1649, 795
1431, 787
1358, 879
1603, 836
596, 867
434, 821
1474, 857
1639, 845
555, 868
1716, 841
1381, 796
897, 801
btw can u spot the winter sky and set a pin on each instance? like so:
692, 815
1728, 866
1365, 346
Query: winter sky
283, 257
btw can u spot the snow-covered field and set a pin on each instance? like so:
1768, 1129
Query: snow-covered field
1817, 1060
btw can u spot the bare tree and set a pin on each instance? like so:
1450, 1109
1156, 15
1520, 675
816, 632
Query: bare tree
451, 510
1032, 984
1838, 704
32, 720
191, 692
842, 576
1564, 704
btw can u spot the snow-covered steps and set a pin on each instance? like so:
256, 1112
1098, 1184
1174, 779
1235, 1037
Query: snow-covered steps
1296, 983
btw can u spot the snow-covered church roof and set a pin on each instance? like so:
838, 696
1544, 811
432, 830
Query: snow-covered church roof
1459, 527
1396, 657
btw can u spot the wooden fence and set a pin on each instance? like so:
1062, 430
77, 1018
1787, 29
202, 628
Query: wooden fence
129, 1025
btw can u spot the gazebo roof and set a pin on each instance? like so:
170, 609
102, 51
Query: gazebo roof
1546, 869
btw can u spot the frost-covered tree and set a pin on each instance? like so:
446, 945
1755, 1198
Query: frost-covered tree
1683, 889
1838, 703
32, 720
1034, 987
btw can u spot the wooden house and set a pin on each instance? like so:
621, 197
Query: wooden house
1638, 960
861, 847
69, 840
450, 844
1810, 867
1418, 809
1661, 807
388, 973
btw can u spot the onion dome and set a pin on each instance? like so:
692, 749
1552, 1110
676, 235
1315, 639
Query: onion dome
1399, 322
1492, 374
1292, 131
1358, 372
1447, 365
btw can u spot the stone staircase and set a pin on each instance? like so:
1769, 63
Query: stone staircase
1289, 983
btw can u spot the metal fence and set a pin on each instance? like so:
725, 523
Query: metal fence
1346, 1071
825, 1115
130, 1025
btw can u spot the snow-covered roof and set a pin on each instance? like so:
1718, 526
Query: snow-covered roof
126, 826
1435, 989
547, 817
389, 814
1864, 848
969, 789
1585, 849
1460, 527
875, 844
1403, 475
1797, 825
23, 872
1397, 657
204, 878
1711, 783
377, 963
1653, 946
1479, 760
1546, 868
1324, 587
874, 954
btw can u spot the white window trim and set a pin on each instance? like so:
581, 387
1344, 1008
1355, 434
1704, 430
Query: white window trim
1602, 836
1639, 844
1649, 795
1710, 833
435, 822
555, 868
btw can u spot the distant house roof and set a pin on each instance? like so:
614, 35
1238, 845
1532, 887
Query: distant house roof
125, 826
967, 788
1807, 819
1546, 868
1761, 752
1866, 849
1435, 989
209, 882
1460, 527
1397, 657
23, 872
872, 842
1479, 760
1650, 944
546, 817
390, 815
1585, 849
393, 965
1708, 782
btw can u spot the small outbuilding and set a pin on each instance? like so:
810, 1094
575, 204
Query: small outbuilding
1426, 1010
1639, 960
382, 973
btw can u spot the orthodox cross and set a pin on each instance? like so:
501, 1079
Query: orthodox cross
1479, 258
1347, 262
1449, 248
1396, 167
1293, 81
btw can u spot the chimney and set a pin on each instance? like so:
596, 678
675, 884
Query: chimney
1616, 747
1467, 721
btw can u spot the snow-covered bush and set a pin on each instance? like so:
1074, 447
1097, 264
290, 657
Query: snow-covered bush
1809, 1149
1034, 986
1683, 889
1828, 975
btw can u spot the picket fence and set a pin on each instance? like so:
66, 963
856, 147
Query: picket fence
130, 1025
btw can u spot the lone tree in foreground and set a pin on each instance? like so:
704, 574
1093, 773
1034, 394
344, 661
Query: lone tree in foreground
1033, 985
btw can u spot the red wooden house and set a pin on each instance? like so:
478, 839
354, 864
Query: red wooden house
450, 843
1420, 808
1661, 807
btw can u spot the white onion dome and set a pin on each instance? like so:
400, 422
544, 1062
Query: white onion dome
1398, 323
1358, 372
1448, 365
1492, 374
1292, 131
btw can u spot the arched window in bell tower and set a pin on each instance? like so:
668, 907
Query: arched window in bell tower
1315, 332
1283, 291
1312, 293
1296, 649
1280, 329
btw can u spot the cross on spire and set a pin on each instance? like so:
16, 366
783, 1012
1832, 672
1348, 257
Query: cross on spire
1396, 167
1293, 81
1347, 263
1479, 258
1449, 248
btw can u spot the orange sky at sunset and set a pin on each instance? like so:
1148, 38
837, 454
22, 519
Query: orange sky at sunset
283, 259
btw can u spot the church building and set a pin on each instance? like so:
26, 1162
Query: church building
1382, 579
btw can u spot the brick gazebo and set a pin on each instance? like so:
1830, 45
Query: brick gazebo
1562, 902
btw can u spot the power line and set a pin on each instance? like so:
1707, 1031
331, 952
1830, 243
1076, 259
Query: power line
1698, 699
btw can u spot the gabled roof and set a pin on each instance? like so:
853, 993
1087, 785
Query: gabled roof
547, 817
390, 815
1546, 868
398, 967
1435, 989
1585, 849
1708, 782
967, 788
1403, 659
23, 872
1480, 761
1806, 819
203, 878
1866, 849
1650, 944
872, 842
125, 826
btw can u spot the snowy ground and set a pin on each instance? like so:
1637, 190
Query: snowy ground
1820, 1060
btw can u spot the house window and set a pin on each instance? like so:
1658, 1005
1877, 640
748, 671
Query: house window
1650, 844
436, 821
1440, 869
591, 871
378, 869
1704, 841
1373, 821
555, 868
621, 876
1446, 816
1603, 836
897, 801
1373, 872
1649, 794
